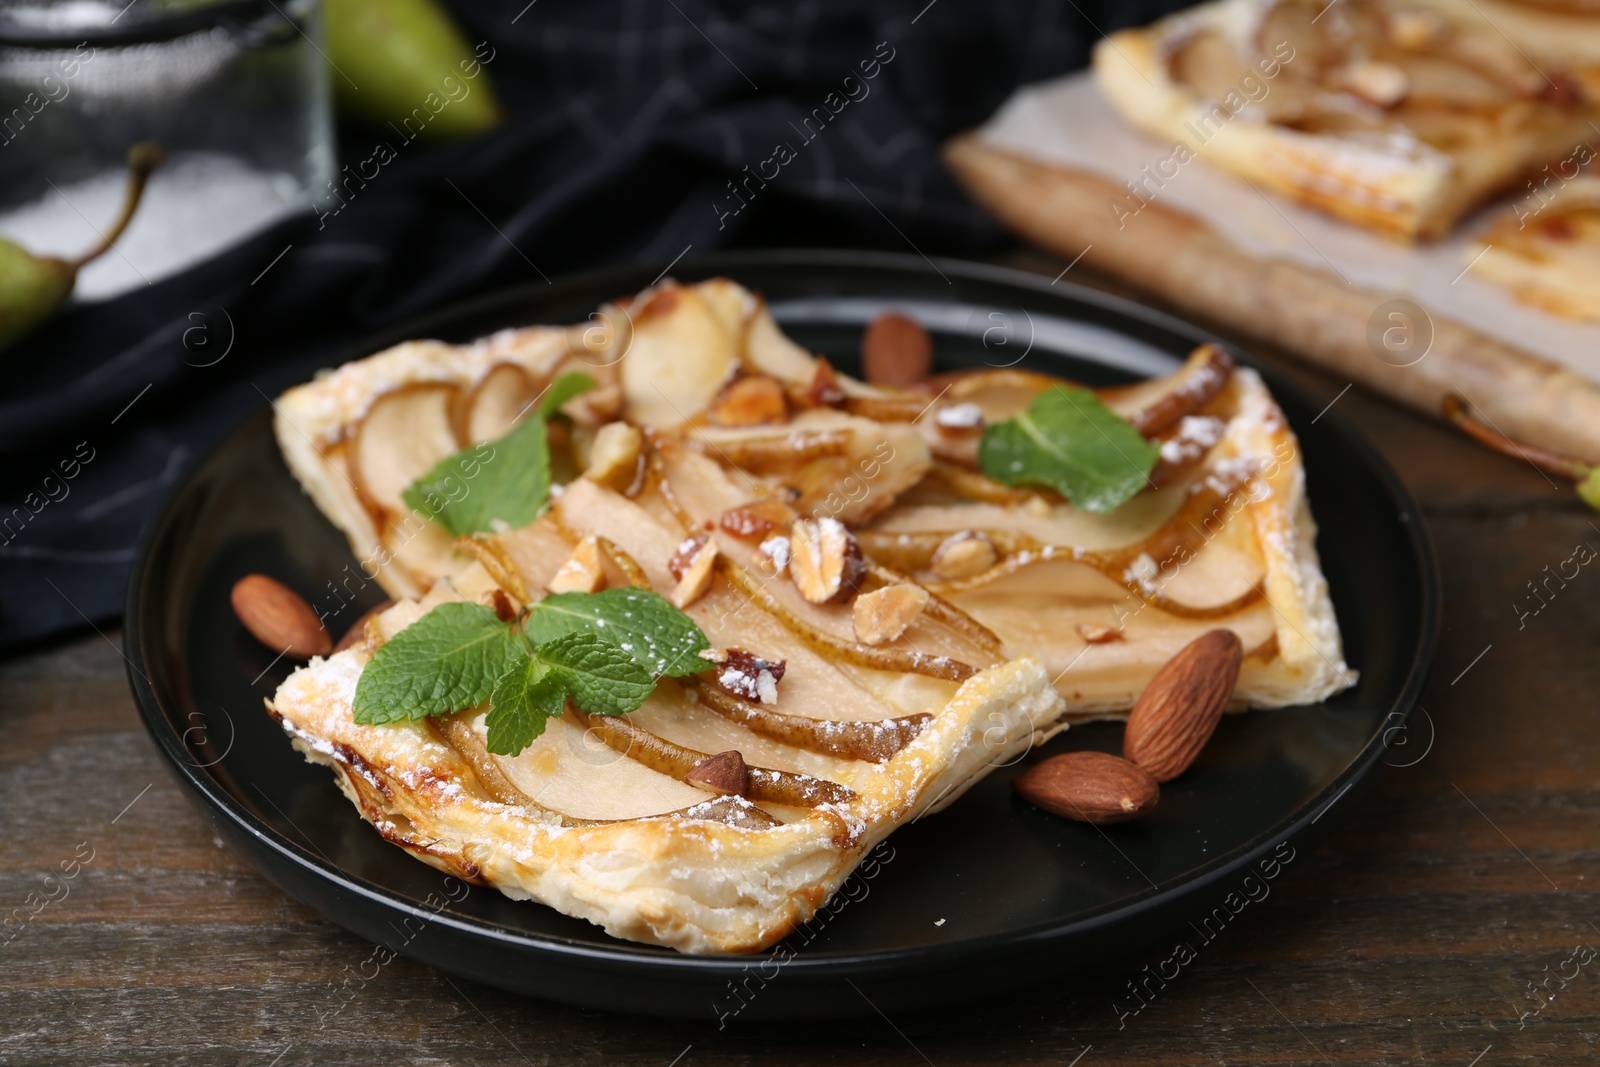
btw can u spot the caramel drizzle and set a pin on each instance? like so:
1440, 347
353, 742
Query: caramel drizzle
871, 741
1182, 535
897, 408
971, 485
1203, 375
792, 445
457, 733
625, 563
659, 754
500, 567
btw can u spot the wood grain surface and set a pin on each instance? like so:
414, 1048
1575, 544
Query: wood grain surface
1447, 921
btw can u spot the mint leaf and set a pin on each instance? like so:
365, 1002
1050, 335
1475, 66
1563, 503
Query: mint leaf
564, 388
1070, 441
445, 661
524, 699
641, 623
600, 678
507, 480
587, 666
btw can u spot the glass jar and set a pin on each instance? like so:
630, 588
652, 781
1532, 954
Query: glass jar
235, 91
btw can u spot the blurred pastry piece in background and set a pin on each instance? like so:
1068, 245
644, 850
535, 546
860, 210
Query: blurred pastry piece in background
1549, 256
1397, 119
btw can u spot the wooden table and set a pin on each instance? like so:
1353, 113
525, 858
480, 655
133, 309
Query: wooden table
1438, 925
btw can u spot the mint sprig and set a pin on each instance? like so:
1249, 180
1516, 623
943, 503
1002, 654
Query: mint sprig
506, 480
603, 652
1070, 441
449, 658
640, 622
524, 699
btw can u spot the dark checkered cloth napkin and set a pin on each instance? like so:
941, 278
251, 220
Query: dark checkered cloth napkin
638, 129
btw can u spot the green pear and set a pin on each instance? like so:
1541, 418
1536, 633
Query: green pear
33, 287
1589, 488
400, 60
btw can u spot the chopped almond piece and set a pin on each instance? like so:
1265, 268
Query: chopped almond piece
959, 420
616, 457
1098, 635
684, 554
757, 518
824, 560
883, 614
824, 390
582, 572
748, 676
775, 551
725, 773
1383, 84
503, 608
753, 401
963, 555
695, 574
1415, 30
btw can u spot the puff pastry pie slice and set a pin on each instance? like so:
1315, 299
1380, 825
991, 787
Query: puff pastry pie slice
1548, 254
1398, 118
597, 817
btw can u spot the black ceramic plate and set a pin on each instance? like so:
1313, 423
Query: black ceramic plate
983, 896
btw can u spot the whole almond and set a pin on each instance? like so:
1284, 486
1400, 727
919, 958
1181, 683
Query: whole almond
1178, 711
896, 350
279, 617
1092, 787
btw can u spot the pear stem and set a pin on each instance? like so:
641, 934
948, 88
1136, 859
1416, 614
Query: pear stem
143, 158
1454, 408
